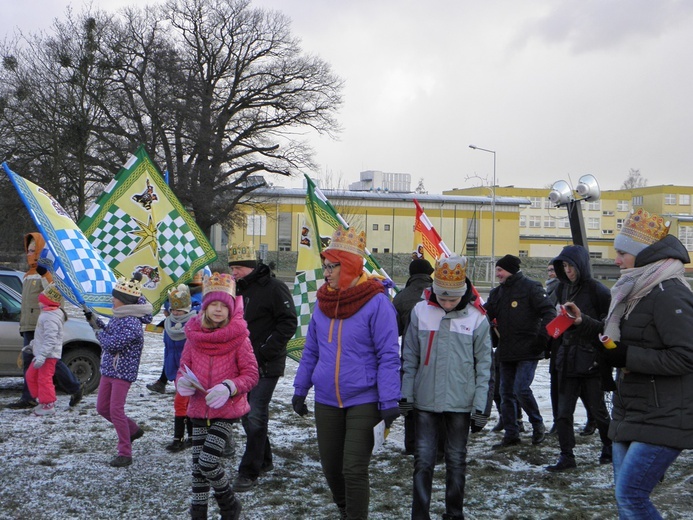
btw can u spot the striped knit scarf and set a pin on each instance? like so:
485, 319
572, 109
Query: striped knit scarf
343, 303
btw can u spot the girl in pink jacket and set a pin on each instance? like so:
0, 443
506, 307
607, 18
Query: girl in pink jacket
217, 370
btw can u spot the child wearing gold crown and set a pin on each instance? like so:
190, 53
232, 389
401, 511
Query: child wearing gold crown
47, 347
217, 370
122, 340
180, 305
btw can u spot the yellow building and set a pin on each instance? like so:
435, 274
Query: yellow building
544, 229
273, 220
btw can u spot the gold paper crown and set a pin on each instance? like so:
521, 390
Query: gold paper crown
645, 228
348, 240
451, 273
242, 253
219, 282
133, 287
53, 294
179, 298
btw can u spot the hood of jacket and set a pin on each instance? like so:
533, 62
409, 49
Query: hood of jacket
668, 247
578, 257
33, 259
261, 274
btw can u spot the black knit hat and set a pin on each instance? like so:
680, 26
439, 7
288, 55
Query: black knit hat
510, 263
420, 266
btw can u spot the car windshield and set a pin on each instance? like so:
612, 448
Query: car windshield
10, 305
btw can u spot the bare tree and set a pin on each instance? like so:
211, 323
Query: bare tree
634, 180
420, 188
217, 91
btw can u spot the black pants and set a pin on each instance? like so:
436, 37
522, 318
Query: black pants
590, 389
209, 439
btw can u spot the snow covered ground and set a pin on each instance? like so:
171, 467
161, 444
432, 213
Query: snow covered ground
57, 467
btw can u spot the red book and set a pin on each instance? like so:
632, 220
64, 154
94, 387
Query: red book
560, 323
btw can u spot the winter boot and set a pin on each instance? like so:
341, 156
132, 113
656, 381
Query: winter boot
606, 456
564, 462
198, 511
44, 409
499, 427
157, 386
589, 429
538, 434
178, 434
229, 505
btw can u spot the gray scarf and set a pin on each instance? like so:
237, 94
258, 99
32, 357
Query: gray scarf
633, 285
175, 325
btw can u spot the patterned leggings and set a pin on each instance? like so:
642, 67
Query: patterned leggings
209, 438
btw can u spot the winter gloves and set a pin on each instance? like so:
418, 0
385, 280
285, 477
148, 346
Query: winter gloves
185, 387
39, 361
616, 357
389, 415
299, 404
405, 407
219, 394
478, 420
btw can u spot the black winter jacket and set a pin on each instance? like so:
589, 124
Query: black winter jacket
407, 298
271, 316
579, 349
654, 399
521, 310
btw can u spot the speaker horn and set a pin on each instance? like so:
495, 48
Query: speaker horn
560, 193
588, 187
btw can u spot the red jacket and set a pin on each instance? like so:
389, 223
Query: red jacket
216, 355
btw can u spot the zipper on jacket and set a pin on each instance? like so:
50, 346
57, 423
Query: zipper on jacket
654, 390
338, 358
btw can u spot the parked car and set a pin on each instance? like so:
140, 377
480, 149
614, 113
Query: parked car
81, 349
12, 279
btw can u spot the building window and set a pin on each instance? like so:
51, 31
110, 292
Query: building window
523, 221
374, 250
535, 202
386, 250
549, 222
593, 223
669, 199
637, 201
284, 232
594, 205
607, 213
595, 255
686, 237
375, 227
386, 227
256, 225
564, 223
534, 221
684, 200
622, 205
619, 223
523, 253
607, 231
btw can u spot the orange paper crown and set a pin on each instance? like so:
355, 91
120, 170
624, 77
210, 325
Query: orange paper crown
132, 287
348, 240
450, 276
219, 282
242, 253
179, 298
53, 294
644, 227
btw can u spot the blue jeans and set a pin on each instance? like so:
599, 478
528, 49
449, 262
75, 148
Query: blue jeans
638, 468
456, 427
258, 451
515, 384
63, 379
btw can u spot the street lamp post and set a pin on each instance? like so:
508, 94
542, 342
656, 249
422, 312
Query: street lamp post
493, 212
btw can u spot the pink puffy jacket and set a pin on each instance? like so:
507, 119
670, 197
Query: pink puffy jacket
216, 355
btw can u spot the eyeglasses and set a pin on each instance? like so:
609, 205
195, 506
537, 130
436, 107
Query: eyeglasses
551, 269
329, 267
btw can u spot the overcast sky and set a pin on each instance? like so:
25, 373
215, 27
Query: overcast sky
557, 88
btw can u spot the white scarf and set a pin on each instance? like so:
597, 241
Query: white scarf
137, 309
634, 284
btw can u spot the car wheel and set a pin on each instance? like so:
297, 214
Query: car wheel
84, 363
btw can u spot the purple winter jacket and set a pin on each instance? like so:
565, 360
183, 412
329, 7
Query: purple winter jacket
355, 360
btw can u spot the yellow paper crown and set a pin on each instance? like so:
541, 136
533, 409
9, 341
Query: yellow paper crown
348, 240
53, 294
179, 298
219, 282
133, 286
242, 253
644, 227
451, 273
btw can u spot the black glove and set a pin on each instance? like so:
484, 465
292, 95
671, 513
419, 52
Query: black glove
478, 421
299, 404
616, 357
405, 407
389, 415
88, 315
41, 270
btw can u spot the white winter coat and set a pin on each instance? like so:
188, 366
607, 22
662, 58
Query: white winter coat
48, 337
